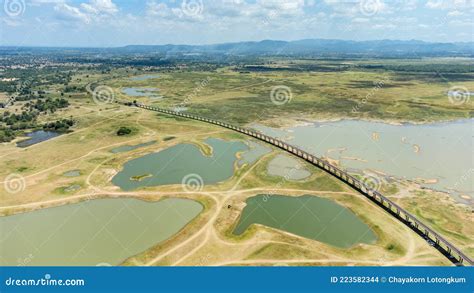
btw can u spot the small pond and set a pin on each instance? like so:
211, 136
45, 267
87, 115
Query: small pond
127, 148
144, 77
307, 216
37, 137
179, 163
150, 92
102, 231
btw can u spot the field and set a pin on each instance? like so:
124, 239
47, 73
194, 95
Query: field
386, 90
346, 90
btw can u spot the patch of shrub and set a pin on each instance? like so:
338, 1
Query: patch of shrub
124, 131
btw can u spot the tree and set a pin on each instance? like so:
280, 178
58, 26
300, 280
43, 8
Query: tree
123, 131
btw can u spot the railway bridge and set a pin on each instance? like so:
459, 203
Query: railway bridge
450, 251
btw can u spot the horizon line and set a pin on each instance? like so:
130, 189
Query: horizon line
234, 42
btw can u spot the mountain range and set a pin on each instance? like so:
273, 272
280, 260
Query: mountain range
311, 47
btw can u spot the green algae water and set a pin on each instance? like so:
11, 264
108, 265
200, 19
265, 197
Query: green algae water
96, 232
172, 165
307, 216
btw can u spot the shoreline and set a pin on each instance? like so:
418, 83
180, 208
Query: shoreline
287, 125
292, 122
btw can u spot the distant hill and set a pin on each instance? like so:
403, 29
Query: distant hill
311, 47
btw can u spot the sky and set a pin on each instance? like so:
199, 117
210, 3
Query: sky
111, 23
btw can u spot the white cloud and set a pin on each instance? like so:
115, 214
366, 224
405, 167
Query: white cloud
9, 21
68, 12
384, 26
290, 6
465, 23
434, 4
360, 20
170, 21
100, 6
408, 4
449, 4
157, 9
455, 13
43, 2
94, 10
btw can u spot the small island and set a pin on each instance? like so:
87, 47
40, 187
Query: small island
140, 177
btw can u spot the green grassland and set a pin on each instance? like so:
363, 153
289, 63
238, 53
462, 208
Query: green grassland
414, 90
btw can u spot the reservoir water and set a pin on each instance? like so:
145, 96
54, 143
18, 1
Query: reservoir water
141, 92
287, 167
91, 233
439, 155
172, 165
72, 173
307, 216
36, 137
127, 148
144, 77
